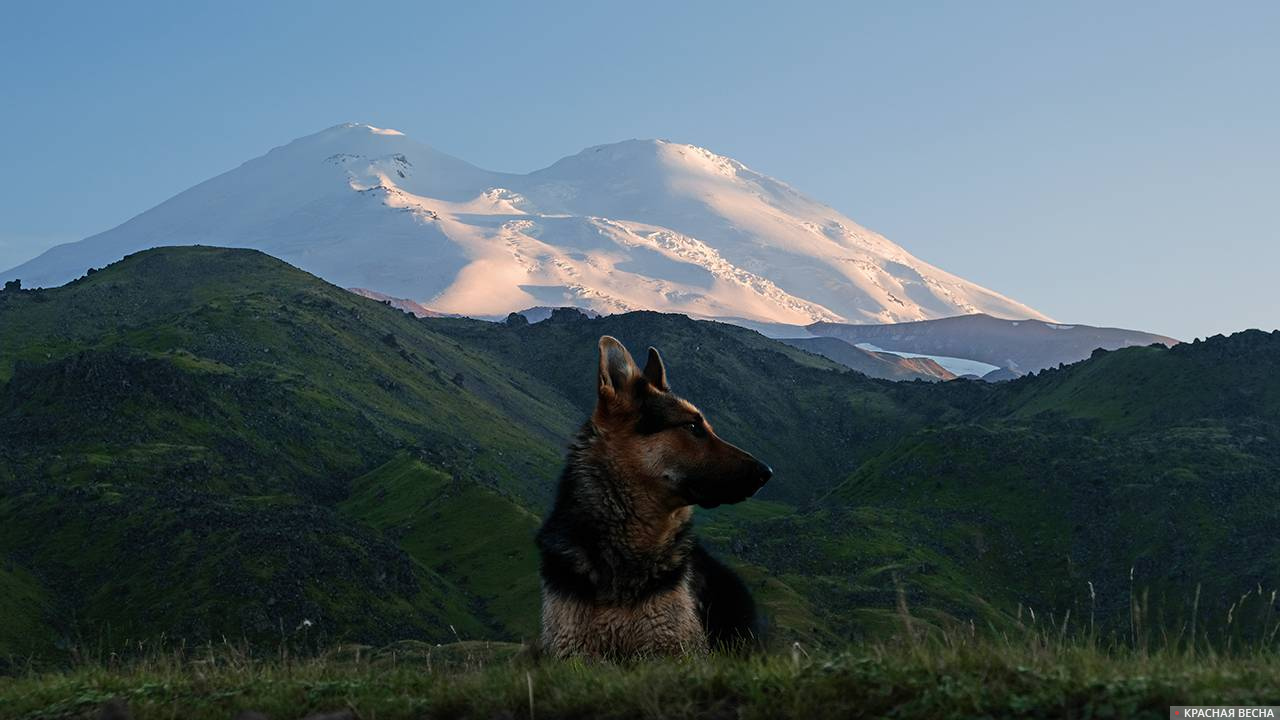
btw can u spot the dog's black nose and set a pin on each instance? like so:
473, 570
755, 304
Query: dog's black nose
764, 472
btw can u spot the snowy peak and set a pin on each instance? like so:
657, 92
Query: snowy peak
630, 155
367, 152
658, 168
640, 224
349, 134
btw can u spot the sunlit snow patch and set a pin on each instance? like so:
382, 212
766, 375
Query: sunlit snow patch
959, 366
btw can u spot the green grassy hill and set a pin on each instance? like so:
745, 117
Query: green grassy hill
1144, 476
461, 530
178, 430
198, 442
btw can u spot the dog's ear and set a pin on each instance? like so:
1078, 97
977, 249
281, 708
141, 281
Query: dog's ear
617, 369
655, 372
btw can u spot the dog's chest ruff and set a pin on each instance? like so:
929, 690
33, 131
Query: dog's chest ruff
665, 623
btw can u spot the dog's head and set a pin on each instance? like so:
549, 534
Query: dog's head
662, 441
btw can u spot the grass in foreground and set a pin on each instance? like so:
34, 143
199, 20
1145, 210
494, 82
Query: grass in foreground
485, 680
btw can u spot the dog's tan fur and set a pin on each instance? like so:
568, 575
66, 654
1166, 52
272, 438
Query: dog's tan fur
664, 624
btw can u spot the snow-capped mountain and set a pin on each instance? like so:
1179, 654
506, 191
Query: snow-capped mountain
641, 224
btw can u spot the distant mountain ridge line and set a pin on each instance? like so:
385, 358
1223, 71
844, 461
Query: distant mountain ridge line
1021, 346
912, 357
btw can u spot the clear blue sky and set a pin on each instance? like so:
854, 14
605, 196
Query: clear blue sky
1108, 163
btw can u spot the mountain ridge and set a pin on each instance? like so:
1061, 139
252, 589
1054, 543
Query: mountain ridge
1020, 345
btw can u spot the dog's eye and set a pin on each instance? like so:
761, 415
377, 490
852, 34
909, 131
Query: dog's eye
697, 429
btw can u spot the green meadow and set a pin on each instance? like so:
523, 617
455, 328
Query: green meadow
954, 677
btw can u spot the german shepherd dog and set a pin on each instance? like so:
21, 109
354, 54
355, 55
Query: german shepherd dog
622, 575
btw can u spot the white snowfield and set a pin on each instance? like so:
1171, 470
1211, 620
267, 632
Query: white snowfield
641, 224
958, 366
